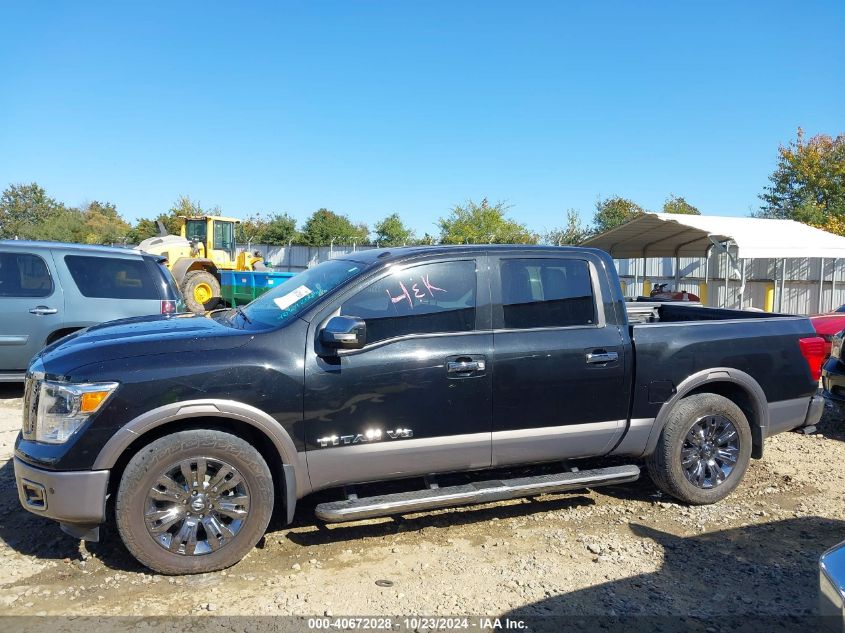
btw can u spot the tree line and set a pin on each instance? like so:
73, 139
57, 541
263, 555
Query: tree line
808, 185
27, 212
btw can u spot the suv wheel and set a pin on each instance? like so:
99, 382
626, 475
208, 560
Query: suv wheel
194, 502
703, 450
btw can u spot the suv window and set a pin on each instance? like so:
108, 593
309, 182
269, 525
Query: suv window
168, 285
546, 293
112, 277
424, 299
24, 275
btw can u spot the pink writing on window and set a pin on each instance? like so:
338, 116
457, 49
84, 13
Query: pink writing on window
430, 286
402, 297
405, 295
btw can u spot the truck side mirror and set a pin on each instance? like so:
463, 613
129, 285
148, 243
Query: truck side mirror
344, 332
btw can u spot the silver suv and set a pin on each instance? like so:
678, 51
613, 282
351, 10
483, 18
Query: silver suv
50, 289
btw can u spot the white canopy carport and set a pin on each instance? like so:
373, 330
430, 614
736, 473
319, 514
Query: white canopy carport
671, 235
674, 235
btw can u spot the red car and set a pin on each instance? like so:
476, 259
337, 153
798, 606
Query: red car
829, 324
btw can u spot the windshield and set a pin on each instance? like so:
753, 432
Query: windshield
286, 300
195, 230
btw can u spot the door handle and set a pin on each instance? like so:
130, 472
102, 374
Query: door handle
601, 356
465, 366
42, 310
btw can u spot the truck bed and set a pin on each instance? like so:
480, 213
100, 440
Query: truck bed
644, 313
673, 342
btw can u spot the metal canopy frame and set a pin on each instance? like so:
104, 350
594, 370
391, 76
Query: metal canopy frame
740, 239
669, 234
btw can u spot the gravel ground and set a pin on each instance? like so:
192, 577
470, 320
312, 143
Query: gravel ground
616, 551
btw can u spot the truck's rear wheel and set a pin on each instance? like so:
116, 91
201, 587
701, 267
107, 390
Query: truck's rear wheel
199, 287
194, 502
703, 451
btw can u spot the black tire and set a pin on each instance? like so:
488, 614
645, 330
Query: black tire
666, 465
165, 455
60, 334
195, 280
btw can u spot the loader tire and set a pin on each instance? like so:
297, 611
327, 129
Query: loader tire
200, 288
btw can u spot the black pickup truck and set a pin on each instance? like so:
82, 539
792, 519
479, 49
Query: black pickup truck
424, 365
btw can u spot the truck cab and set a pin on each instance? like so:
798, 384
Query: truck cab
214, 238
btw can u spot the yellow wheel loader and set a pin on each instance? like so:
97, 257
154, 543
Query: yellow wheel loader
204, 247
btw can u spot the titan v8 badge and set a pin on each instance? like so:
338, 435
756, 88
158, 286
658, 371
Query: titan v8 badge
370, 435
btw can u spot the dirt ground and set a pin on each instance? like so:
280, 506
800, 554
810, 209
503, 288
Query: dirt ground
616, 551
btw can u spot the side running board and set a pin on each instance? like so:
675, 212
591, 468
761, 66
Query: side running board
354, 509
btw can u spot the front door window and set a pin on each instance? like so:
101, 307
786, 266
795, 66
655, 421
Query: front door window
425, 299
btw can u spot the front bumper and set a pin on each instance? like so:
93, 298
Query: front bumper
76, 499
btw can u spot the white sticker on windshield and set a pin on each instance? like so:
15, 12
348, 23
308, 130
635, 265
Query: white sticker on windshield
292, 297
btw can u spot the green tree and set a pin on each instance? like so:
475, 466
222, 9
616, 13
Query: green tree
808, 184
676, 204
613, 211
25, 210
65, 225
102, 224
473, 223
279, 229
248, 229
391, 231
325, 227
144, 228
182, 207
573, 233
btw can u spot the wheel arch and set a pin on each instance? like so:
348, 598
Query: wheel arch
185, 265
733, 384
61, 332
253, 425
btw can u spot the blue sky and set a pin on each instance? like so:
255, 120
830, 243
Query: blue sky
373, 107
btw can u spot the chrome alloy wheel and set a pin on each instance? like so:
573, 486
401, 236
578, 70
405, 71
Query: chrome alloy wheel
196, 506
710, 451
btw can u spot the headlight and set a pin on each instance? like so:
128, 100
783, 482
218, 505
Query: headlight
62, 408
836, 346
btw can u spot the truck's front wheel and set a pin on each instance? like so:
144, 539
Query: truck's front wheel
194, 501
703, 450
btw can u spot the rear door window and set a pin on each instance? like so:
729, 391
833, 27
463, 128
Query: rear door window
24, 275
546, 293
112, 277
